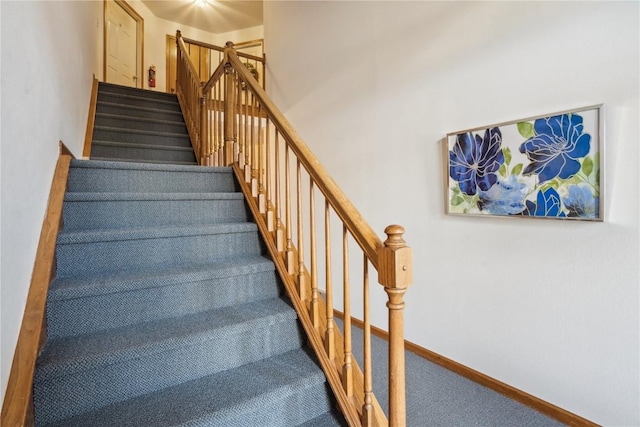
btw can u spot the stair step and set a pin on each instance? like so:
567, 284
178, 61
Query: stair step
79, 374
133, 111
137, 136
143, 152
327, 419
110, 176
85, 211
284, 390
107, 251
138, 100
89, 304
140, 123
133, 91
157, 162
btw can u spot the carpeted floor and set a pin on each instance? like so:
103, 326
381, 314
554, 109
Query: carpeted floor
439, 397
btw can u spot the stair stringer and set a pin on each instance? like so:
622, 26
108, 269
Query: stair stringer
351, 407
17, 407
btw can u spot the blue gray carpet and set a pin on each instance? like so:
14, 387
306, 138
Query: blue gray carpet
164, 310
437, 397
139, 125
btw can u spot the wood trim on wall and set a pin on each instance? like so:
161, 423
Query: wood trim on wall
170, 70
513, 393
17, 408
88, 136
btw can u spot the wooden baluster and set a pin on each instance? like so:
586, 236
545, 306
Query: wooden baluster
291, 269
395, 274
262, 203
254, 147
367, 407
202, 146
229, 112
269, 178
314, 307
347, 378
221, 126
279, 231
302, 288
215, 140
247, 143
213, 159
250, 152
329, 343
240, 153
238, 150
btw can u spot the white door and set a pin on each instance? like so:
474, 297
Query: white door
121, 46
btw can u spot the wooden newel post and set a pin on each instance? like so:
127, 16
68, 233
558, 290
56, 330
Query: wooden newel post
395, 273
229, 110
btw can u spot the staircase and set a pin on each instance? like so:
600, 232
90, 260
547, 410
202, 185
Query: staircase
164, 310
140, 126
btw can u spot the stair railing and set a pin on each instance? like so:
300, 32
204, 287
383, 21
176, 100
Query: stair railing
206, 58
239, 126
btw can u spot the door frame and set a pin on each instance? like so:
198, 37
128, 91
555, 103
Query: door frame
139, 39
171, 46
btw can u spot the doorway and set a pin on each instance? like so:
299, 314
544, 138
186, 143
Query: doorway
123, 44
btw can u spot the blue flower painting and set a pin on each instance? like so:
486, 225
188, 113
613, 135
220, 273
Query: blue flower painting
556, 147
474, 160
548, 167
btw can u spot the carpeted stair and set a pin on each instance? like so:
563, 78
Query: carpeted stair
165, 312
139, 125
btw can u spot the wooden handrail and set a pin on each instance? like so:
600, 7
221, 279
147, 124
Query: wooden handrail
17, 408
183, 48
219, 71
203, 44
221, 49
357, 226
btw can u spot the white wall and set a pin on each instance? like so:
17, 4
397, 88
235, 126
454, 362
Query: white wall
156, 29
48, 59
549, 307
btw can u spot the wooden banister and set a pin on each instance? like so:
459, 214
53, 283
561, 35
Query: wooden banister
358, 227
240, 126
203, 44
183, 48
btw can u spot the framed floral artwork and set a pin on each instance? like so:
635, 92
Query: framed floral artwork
542, 167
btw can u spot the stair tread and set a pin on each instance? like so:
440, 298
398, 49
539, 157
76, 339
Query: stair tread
140, 119
74, 354
328, 419
110, 164
178, 114
212, 399
142, 131
81, 196
157, 162
110, 87
139, 96
98, 142
115, 235
85, 286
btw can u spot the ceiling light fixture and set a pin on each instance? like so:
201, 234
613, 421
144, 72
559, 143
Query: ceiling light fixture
201, 3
